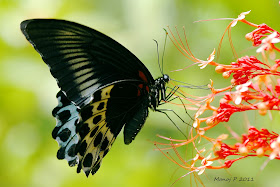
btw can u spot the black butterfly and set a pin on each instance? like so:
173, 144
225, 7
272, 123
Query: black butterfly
104, 88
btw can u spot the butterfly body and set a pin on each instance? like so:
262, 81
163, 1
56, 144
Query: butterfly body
104, 88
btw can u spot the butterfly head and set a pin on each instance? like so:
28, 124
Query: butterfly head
158, 91
165, 78
161, 81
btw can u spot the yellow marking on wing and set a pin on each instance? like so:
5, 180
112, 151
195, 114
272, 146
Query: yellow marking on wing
106, 92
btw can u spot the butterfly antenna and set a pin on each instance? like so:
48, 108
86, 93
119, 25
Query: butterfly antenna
158, 57
163, 50
191, 86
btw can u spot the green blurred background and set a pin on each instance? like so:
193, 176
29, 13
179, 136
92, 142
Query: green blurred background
27, 90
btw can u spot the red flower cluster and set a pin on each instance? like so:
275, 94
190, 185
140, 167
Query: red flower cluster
255, 143
261, 31
246, 68
254, 86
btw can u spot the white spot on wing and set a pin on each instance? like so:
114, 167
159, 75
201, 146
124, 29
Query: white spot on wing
82, 78
90, 91
78, 65
87, 84
82, 73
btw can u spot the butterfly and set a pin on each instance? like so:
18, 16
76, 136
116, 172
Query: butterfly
104, 88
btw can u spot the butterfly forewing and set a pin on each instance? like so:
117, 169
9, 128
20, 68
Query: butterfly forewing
82, 59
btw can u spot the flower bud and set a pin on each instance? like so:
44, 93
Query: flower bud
249, 36
243, 150
260, 152
201, 131
262, 108
226, 74
209, 121
219, 69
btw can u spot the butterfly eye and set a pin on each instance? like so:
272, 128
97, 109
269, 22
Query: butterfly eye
166, 78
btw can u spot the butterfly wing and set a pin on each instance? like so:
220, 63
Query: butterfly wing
85, 136
103, 88
81, 59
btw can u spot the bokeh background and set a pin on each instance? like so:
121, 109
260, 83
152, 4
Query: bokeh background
27, 90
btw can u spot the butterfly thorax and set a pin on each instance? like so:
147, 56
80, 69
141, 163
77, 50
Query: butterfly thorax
158, 91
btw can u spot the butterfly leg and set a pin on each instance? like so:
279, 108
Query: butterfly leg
163, 111
172, 92
169, 99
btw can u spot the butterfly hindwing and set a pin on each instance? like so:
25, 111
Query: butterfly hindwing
86, 135
65, 132
94, 131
